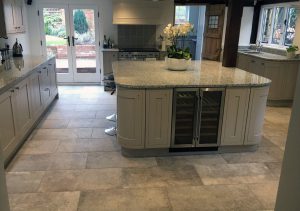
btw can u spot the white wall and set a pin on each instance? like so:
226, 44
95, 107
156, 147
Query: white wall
246, 26
167, 17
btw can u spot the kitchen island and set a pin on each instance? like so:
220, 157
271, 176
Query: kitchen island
206, 108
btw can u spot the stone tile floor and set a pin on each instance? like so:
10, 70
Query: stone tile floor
69, 164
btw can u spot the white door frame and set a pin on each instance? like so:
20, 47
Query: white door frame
72, 76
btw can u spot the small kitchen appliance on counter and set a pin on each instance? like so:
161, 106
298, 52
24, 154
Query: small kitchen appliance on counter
17, 49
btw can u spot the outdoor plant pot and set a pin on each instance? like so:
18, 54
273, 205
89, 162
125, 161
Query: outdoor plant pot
291, 55
178, 64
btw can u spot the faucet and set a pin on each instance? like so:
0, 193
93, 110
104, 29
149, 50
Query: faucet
258, 46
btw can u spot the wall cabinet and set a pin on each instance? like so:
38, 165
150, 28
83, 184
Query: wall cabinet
131, 118
108, 58
14, 16
2, 21
235, 115
158, 118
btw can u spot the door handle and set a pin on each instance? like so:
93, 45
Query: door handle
73, 40
68, 38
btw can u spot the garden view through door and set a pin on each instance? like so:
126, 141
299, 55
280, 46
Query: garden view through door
71, 33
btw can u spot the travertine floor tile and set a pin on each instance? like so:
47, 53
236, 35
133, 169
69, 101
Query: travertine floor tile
90, 123
250, 157
32, 147
56, 115
62, 133
23, 182
234, 173
89, 145
124, 199
80, 180
105, 113
220, 197
115, 160
30, 163
54, 124
99, 133
275, 168
160, 177
64, 201
66, 161
266, 193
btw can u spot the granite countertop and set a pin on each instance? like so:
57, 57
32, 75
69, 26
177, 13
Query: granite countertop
110, 49
270, 56
154, 74
20, 69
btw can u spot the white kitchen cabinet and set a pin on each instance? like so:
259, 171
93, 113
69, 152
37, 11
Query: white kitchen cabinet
235, 115
108, 58
158, 118
45, 84
14, 16
53, 77
35, 95
131, 118
256, 114
7, 127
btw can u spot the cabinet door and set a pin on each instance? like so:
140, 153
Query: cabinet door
35, 95
2, 21
131, 118
18, 16
243, 62
9, 16
108, 58
45, 84
21, 107
7, 128
235, 115
53, 77
256, 114
158, 118
257, 66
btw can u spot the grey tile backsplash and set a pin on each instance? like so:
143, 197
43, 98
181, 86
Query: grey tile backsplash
137, 36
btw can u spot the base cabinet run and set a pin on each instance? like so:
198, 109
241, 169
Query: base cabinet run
244, 113
144, 118
21, 107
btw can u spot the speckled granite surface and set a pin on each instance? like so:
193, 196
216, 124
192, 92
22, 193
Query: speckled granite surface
271, 57
154, 74
20, 68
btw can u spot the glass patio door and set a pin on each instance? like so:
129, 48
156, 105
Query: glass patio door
70, 32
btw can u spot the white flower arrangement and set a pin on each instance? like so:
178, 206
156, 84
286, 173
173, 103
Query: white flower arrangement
173, 33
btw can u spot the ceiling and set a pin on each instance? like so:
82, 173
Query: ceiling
246, 2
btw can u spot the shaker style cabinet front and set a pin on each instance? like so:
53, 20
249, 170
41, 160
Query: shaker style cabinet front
158, 118
35, 95
14, 16
131, 118
108, 58
235, 115
256, 114
45, 84
7, 127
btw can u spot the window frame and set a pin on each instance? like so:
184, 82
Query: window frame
261, 21
187, 13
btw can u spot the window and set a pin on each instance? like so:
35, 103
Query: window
182, 14
278, 25
213, 22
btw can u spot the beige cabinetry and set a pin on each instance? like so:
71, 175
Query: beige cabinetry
53, 77
235, 115
144, 118
282, 73
22, 105
2, 21
137, 12
7, 123
158, 118
131, 118
108, 58
244, 113
256, 114
14, 16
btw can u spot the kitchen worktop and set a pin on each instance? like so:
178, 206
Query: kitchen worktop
270, 56
19, 69
154, 74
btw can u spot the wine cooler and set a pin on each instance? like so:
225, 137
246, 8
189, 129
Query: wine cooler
197, 117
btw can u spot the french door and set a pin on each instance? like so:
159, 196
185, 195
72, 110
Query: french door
71, 33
